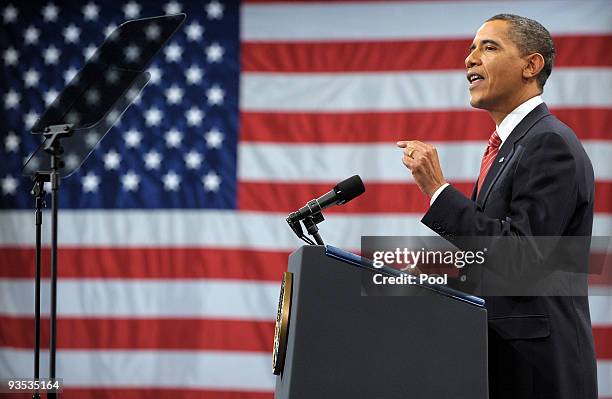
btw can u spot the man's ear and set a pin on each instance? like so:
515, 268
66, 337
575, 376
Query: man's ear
535, 64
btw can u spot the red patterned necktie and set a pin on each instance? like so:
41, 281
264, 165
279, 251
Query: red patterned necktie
488, 157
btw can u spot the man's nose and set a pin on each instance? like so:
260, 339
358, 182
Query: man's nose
471, 59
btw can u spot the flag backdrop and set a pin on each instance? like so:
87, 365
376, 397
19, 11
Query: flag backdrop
172, 234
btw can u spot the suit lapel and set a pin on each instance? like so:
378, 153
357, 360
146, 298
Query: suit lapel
507, 150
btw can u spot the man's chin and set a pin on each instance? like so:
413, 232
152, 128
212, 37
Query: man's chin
476, 102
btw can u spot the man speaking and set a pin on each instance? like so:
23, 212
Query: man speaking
535, 180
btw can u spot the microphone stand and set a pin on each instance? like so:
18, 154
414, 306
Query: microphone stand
311, 226
39, 194
310, 222
53, 147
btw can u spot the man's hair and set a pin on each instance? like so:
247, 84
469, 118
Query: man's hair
531, 37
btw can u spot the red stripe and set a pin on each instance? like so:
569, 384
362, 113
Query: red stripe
588, 123
600, 268
170, 334
603, 342
405, 55
378, 198
163, 263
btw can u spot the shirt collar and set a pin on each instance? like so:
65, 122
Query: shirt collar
516, 116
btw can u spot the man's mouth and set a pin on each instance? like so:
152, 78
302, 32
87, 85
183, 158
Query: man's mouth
474, 79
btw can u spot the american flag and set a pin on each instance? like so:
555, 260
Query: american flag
172, 234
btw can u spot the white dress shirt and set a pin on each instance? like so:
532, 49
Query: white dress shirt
504, 129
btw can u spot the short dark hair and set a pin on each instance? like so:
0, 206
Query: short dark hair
531, 37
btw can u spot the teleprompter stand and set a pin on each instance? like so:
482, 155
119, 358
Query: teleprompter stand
76, 122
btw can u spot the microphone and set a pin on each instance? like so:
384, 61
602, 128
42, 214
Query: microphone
342, 193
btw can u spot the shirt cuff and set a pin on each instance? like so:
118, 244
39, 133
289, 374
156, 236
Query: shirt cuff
437, 193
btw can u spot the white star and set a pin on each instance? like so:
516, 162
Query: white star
113, 117
50, 96
90, 11
132, 138
50, 12
152, 159
10, 14
72, 161
92, 96
211, 181
173, 53
11, 142
109, 30
214, 10
214, 52
112, 159
30, 119
133, 95
70, 74
172, 8
112, 76
9, 185
89, 51
174, 94
11, 99
32, 164
90, 183
30, 35
194, 31
214, 138
171, 181
173, 138
73, 117
71, 34
193, 159
91, 139
153, 116
31, 78
215, 95
131, 10
130, 181
132, 53
194, 74
51, 55
11, 56
155, 75
153, 31
194, 116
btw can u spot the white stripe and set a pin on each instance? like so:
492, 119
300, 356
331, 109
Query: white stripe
187, 298
375, 161
147, 369
395, 20
207, 228
600, 303
393, 91
171, 369
145, 298
604, 378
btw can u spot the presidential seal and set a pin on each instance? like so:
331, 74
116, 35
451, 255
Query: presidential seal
282, 324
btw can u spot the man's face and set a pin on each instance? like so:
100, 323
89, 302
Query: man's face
494, 68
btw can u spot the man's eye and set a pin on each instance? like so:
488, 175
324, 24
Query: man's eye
489, 48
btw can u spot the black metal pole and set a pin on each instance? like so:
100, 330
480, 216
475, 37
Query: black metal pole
318, 238
55, 165
39, 194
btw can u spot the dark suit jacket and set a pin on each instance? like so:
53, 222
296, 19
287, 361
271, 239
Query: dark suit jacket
539, 347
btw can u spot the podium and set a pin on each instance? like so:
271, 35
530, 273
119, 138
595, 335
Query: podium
341, 338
